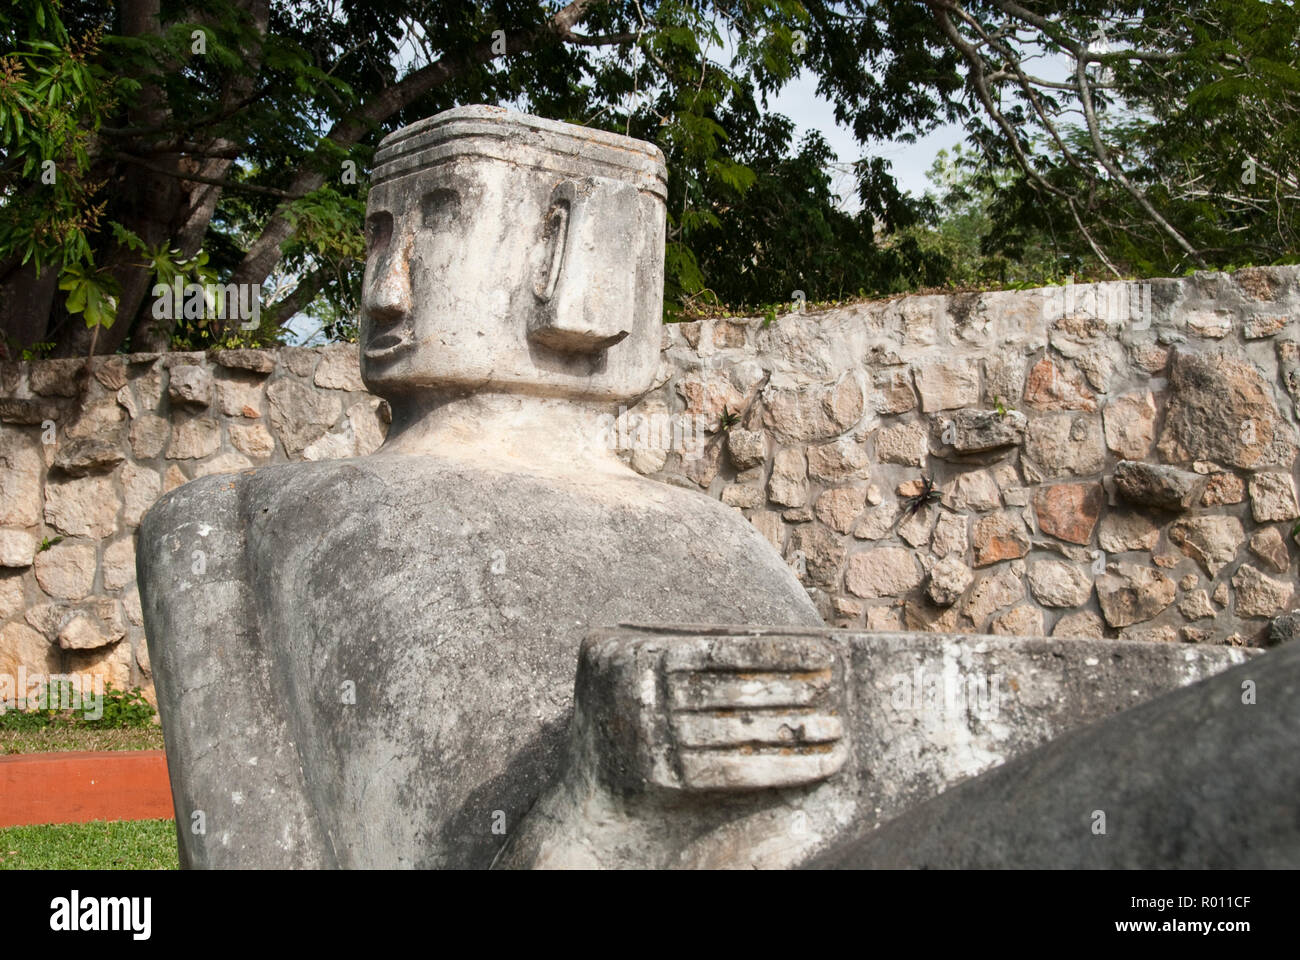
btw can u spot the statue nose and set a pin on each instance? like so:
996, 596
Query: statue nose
388, 301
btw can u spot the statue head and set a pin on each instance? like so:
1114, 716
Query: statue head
511, 254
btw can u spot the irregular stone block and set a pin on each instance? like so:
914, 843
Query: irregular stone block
1083, 625
947, 386
84, 507
980, 431
999, 537
1122, 531
906, 444
845, 459
746, 448
66, 571
1151, 485
1211, 541
17, 549
190, 384
256, 361
1051, 387
949, 579
1220, 408
788, 484
1130, 594
85, 455
1272, 497
882, 572
1259, 595
1055, 583
21, 468
1069, 511
1130, 424
839, 508
1063, 445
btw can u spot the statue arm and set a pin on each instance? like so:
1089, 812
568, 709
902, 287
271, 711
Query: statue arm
237, 780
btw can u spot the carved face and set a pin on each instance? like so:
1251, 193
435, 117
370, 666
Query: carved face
482, 274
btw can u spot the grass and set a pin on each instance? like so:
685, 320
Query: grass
101, 845
58, 739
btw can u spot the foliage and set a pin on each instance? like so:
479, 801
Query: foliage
121, 710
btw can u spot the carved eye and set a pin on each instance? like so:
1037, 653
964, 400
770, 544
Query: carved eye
379, 229
439, 208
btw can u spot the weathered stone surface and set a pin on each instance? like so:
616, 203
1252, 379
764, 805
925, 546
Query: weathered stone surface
845, 459
1259, 595
1221, 409
1055, 583
20, 478
893, 392
981, 431
149, 436
1223, 488
190, 385
84, 455
1121, 531
877, 523
251, 439
1151, 485
815, 411
224, 463
1284, 629
823, 553
1269, 545
839, 508
992, 593
1260, 325
173, 478
1212, 541
746, 448
32, 411
1130, 594
301, 361
1084, 625
1149, 760
194, 439
742, 496
1063, 445
240, 397
1222, 595
299, 414
788, 485
1210, 324
1130, 424
950, 536
66, 571
915, 526
1069, 511
17, 548
81, 633
882, 572
769, 524
1025, 620
257, 361
949, 579
1195, 605
1004, 379
340, 368
972, 491
1272, 497
56, 378
1050, 387
906, 444
112, 664
12, 594
476, 550
84, 507
21, 646
1157, 633
947, 386
999, 536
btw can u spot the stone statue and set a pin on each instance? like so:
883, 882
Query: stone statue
370, 662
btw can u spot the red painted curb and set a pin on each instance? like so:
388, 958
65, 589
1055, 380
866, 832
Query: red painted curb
78, 787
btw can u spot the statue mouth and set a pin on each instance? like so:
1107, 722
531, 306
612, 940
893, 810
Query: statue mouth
385, 345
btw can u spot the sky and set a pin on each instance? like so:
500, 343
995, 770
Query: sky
798, 100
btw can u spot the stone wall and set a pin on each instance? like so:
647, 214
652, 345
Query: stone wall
1107, 460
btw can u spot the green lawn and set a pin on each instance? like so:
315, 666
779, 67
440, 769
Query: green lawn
58, 738
102, 845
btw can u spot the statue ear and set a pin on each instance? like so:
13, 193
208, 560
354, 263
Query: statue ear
586, 297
